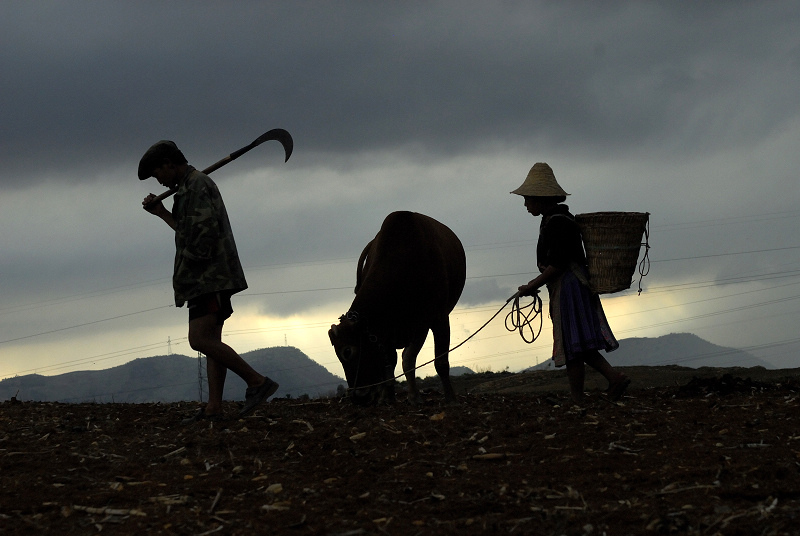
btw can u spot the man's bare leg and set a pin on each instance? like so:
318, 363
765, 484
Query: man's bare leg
216, 383
205, 336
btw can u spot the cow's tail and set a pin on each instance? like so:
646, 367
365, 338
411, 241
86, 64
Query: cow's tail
361, 268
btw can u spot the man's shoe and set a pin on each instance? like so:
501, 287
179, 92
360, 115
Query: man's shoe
256, 395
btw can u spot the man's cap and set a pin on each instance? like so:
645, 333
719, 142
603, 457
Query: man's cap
156, 154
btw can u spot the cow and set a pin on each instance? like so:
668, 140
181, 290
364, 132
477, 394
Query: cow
408, 280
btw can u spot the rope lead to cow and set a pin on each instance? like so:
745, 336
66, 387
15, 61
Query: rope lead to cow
517, 317
456, 347
521, 318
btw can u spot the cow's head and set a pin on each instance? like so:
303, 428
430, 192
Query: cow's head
368, 364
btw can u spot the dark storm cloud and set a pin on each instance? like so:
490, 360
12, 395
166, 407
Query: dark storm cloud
687, 110
89, 86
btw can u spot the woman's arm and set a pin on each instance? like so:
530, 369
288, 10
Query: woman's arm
549, 274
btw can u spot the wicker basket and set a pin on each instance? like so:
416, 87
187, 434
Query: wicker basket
612, 241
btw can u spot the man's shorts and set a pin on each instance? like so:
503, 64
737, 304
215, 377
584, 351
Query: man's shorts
215, 303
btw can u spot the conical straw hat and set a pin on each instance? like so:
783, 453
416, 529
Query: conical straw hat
540, 182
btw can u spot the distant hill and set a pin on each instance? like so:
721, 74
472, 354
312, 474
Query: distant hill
684, 349
171, 379
784, 355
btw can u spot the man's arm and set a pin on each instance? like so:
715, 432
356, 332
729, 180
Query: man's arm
158, 209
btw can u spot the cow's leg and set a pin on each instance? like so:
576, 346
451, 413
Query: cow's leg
410, 353
387, 393
441, 345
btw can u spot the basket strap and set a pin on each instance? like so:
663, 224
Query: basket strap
644, 265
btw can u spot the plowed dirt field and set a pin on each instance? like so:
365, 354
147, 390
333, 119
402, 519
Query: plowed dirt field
692, 452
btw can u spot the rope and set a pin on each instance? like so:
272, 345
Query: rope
644, 265
456, 347
521, 318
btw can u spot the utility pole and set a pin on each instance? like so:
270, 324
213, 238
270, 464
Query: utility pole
169, 345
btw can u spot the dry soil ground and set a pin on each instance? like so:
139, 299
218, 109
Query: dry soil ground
687, 451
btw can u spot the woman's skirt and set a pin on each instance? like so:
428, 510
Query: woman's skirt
579, 323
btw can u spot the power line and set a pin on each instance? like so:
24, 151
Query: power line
705, 300
92, 359
461, 311
681, 226
322, 324
77, 297
672, 288
84, 324
656, 289
473, 247
725, 254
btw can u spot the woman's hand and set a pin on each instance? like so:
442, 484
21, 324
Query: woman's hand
527, 290
549, 274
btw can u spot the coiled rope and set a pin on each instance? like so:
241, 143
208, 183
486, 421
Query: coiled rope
521, 318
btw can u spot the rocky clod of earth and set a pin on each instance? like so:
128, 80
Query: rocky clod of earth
717, 454
725, 385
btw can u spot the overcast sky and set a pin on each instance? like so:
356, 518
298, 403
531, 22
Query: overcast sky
686, 110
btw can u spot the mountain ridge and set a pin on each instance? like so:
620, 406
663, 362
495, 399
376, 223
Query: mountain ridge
176, 378
684, 349
173, 378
